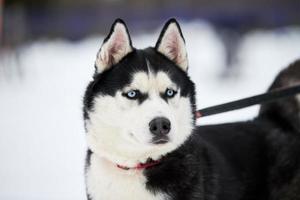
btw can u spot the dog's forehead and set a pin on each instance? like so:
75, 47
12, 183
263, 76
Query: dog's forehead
140, 70
145, 81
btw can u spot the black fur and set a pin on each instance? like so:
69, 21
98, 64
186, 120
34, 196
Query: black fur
257, 160
118, 76
253, 160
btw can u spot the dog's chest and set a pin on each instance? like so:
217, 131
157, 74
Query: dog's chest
110, 183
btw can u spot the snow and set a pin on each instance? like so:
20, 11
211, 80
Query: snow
42, 140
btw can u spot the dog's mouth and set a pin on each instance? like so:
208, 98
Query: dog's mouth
160, 140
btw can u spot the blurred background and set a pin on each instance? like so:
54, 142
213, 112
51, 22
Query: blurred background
47, 53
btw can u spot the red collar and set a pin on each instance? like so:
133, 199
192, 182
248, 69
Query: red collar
141, 166
198, 114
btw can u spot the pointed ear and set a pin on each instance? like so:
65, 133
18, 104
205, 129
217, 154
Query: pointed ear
115, 46
171, 44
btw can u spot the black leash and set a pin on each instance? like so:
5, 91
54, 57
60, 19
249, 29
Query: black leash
250, 101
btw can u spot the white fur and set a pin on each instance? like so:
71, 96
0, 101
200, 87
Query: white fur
114, 49
118, 132
172, 45
148, 83
118, 128
106, 182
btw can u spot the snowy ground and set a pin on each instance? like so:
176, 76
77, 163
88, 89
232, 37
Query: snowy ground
42, 142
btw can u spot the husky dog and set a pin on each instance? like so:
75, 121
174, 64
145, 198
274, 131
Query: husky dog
143, 143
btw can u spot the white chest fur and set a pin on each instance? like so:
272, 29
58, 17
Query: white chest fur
107, 182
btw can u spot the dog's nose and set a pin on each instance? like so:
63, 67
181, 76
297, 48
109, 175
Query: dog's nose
160, 126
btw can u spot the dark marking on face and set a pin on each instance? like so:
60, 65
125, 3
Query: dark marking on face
120, 75
166, 95
139, 96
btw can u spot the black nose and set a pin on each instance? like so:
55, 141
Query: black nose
160, 126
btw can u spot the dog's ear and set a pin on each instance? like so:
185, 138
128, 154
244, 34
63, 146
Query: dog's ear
171, 44
115, 46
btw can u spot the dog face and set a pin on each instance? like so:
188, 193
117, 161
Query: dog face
140, 104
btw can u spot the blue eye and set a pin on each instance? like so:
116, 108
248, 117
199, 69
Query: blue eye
132, 94
170, 93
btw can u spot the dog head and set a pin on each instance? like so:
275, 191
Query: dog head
141, 103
